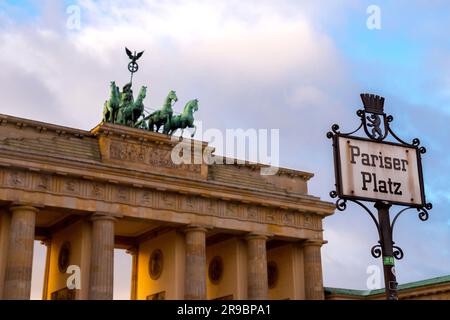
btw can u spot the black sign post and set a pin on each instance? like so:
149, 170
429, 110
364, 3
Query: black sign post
387, 250
384, 172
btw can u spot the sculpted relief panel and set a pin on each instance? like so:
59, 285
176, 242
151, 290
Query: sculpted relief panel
126, 152
72, 186
16, 179
97, 190
190, 204
145, 198
155, 157
42, 182
155, 199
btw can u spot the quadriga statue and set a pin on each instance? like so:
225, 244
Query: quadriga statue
121, 107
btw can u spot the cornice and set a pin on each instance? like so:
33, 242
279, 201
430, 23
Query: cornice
94, 171
43, 126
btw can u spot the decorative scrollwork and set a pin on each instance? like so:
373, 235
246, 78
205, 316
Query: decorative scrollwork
341, 204
414, 144
423, 214
335, 130
360, 113
398, 253
376, 251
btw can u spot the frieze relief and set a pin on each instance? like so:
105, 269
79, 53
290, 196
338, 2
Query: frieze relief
210, 206
308, 221
269, 215
189, 203
148, 155
252, 213
127, 152
71, 186
156, 199
42, 182
145, 198
16, 179
288, 218
121, 194
232, 210
97, 190
166, 200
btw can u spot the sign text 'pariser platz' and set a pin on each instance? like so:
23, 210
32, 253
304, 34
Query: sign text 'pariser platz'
373, 171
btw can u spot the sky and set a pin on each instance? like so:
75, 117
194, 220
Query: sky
296, 66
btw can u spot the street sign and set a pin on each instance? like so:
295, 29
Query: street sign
380, 171
373, 171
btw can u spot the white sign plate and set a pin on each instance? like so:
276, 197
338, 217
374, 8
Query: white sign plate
370, 170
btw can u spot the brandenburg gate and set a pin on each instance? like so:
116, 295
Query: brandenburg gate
194, 231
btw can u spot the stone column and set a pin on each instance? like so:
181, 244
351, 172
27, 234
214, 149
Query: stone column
102, 258
134, 252
313, 270
20, 253
195, 266
257, 267
5, 222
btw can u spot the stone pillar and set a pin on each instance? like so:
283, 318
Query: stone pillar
102, 258
5, 222
20, 253
313, 270
195, 266
257, 267
134, 252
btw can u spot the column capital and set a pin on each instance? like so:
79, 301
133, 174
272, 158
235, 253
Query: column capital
196, 227
313, 243
258, 236
102, 216
19, 207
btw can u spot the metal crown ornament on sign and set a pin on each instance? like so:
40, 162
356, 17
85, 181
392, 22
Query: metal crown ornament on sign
376, 170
